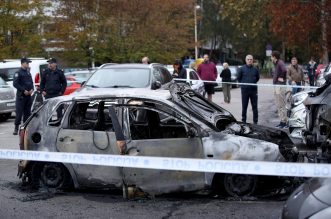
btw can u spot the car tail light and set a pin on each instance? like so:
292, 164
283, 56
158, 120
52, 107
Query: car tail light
22, 136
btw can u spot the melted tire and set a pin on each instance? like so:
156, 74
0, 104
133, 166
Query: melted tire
49, 175
236, 185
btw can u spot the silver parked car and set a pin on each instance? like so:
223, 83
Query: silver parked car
161, 123
153, 76
7, 100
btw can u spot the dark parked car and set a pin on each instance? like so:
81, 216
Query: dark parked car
162, 123
152, 76
311, 200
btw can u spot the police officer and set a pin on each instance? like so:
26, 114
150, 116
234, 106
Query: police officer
53, 82
24, 85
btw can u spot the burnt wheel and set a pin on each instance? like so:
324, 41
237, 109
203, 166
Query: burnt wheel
238, 185
50, 175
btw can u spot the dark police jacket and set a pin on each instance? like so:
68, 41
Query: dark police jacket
248, 74
53, 82
22, 81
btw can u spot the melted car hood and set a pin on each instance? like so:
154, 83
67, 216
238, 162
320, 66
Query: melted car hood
234, 147
193, 102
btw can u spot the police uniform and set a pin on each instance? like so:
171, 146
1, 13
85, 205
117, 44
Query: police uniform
22, 82
53, 82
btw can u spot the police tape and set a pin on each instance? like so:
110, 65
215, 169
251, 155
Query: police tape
250, 84
171, 163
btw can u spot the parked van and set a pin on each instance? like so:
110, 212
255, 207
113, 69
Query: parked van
10, 66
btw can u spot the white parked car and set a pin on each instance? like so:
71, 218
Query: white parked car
192, 78
10, 66
320, 80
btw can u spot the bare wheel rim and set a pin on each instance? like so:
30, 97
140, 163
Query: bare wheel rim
239, 184
52, 175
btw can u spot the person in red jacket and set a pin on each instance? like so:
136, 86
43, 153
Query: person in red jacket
208, 72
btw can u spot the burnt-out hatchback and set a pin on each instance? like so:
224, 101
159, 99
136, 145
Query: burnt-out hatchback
158, 123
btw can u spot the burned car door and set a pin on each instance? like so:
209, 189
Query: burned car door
158, 131
89, 130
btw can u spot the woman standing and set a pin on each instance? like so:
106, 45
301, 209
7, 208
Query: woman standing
226, 87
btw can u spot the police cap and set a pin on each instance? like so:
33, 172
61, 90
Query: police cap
51, 60
25, 60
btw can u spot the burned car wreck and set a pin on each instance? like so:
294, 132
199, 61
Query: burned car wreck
159, 123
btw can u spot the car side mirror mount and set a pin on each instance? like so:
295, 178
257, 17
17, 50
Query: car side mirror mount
156, 85
82, 84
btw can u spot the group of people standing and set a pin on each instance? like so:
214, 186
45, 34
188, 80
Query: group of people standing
248, 76
53, 83
294, 75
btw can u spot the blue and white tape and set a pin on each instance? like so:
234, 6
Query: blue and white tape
183, 164
252, 84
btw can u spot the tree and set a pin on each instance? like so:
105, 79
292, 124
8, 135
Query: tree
124, 30
237, 24
290, 23
19, 28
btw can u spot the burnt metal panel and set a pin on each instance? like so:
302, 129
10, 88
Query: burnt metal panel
83, 141
165, 181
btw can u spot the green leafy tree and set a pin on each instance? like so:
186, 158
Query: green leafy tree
123, 30
20, 28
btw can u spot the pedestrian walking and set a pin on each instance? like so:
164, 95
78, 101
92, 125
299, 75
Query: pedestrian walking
249, 74
295, 75
53, 82
24, 85
208, 72
279, 78
226, 79
179, 70
145, 60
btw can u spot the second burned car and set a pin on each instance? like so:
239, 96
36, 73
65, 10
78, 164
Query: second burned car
157, 123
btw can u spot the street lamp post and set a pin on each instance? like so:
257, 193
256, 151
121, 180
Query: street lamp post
196, 31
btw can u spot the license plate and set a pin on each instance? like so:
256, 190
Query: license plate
10, 104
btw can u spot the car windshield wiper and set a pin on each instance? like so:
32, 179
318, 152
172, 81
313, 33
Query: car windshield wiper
91, 85
119, 86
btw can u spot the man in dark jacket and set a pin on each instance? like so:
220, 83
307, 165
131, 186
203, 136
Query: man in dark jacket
208, 72
24, 85
53, 82
311, 67
226, 82
249, 74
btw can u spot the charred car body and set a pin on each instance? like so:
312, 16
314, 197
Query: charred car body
317, 135
162, 123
